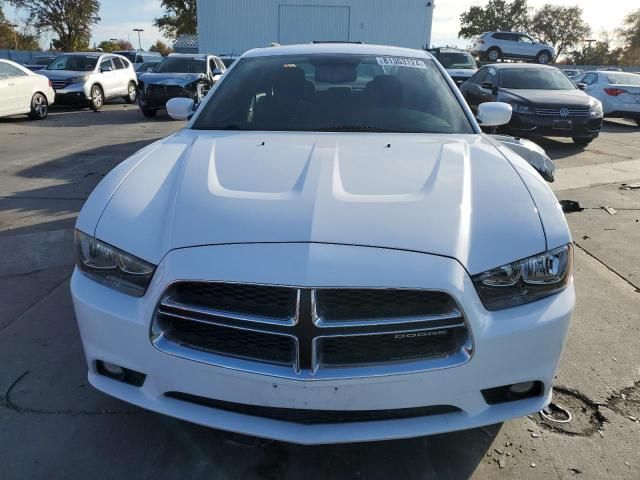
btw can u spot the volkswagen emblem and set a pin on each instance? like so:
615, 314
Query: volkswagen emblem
564, 112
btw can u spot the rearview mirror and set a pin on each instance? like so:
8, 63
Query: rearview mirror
494, 114
581, 86
180, 108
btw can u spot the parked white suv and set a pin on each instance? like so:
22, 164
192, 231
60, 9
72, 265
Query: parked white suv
493, 46
91, 78
330, 251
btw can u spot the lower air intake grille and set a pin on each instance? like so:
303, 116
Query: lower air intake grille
311, 417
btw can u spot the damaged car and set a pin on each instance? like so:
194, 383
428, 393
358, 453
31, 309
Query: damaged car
330, 251
178, 75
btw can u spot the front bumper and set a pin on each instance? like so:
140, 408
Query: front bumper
583, 127
510, 346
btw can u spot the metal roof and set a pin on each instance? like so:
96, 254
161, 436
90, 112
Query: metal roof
186, 41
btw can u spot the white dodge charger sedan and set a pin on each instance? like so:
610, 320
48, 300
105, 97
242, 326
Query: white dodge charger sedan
24, 92
330, 251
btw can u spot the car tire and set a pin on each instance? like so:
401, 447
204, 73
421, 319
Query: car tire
148, 113
638, 121
493, 54
39, 107
543, 57
581, 141
132, 93
97, 98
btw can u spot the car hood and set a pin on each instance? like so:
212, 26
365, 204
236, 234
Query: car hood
451, 196
172, 79
560, 98
65, 74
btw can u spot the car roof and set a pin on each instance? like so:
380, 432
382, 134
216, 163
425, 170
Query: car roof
85, 54
345, 48
191, 55
530, 66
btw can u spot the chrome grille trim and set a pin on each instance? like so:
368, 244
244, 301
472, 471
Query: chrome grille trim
310, 329
555, 112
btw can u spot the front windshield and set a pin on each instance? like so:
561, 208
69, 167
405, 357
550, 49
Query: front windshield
456, 60
335, 92
535, 79
76, 63
631, 79
182, 65
131, 56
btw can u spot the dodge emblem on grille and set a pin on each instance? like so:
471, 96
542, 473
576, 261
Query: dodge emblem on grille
564, 112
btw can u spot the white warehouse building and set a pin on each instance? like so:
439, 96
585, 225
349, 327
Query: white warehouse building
231, 27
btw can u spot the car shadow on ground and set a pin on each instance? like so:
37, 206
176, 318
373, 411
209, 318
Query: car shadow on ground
74, 177
75, 116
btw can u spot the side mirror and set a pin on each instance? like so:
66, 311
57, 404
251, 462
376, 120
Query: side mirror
494, 114
581, 86
180, 108
488, 86
106, 69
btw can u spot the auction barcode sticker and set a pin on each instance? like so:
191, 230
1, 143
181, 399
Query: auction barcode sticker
401, 62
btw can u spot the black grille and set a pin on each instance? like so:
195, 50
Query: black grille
311, 417
368, 304
258, 300
59, 84
310, 329
233, 342
363, 349
165, 91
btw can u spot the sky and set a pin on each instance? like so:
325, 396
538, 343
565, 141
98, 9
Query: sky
120, 17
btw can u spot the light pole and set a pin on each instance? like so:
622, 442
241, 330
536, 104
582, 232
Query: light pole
139, 30
15, 33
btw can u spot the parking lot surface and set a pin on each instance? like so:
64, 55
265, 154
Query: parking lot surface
53, 425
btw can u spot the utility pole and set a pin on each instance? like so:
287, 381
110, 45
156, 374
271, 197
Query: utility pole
139, 30
15, 34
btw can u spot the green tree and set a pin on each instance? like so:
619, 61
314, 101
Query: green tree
497, 15
70, 20
161, 48
179, 18
630, 35
108, 46
562, 27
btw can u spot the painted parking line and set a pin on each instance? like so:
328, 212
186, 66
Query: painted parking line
590, 175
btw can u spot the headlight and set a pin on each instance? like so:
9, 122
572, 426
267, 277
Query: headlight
520, 108
596, 110
111, 266
526, 280
79, 79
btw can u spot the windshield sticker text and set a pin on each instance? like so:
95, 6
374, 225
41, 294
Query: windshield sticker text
401, 62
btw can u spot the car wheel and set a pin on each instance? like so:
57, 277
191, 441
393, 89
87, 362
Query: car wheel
543, 57
39, 107
581, 141
97, 98
148, 113
493, 54
132, 93
638, 121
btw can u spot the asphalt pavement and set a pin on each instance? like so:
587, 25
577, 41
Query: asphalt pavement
53, 425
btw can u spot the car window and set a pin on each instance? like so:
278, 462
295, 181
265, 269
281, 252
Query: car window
335, 92
106, 63
119, 63
590, 78
7, 71
219, 64
479, 76
535, 79
492, 76
212, 64
578, 78
456, 60
78, 63
631, 79
182, 65
501, 36
524, 39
